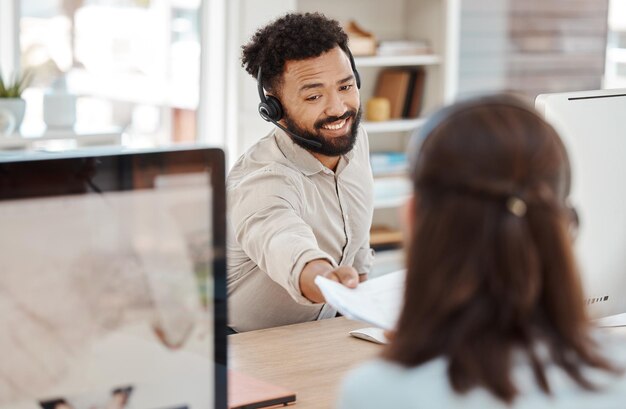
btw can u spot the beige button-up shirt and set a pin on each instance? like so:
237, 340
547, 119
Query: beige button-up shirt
285, 210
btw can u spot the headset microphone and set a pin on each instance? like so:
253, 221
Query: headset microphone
271, 110
298, 137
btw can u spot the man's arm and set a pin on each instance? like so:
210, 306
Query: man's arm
364, 259
345, 275
265, 214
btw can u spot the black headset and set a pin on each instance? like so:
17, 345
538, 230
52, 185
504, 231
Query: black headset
270, 108
444, 115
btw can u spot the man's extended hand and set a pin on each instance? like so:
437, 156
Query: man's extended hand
345, 275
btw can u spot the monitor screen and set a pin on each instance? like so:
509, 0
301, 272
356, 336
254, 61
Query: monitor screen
112, 281
592, 126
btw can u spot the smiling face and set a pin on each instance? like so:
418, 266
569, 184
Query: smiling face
321, 102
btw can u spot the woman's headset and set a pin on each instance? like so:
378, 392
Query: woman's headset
444, 115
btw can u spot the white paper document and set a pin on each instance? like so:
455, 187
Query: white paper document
377, 301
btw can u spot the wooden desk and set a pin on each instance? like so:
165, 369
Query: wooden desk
311, 358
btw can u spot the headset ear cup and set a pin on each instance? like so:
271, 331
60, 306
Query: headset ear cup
265, 111
270, 109
274, 107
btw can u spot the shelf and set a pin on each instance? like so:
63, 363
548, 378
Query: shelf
397, 60
400, 173
397, 125
391, 202
385, 237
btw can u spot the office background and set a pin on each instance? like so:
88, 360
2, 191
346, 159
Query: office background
139, 63
168, 71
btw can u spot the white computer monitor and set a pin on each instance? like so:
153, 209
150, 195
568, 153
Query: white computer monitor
592, 125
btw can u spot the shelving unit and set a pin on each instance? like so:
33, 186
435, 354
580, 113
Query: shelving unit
430, 20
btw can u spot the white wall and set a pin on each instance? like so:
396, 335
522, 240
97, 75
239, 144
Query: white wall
244, 123
483, 45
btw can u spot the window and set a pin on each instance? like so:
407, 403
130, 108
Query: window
133, 65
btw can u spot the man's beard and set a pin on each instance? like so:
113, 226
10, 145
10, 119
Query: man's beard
337, 146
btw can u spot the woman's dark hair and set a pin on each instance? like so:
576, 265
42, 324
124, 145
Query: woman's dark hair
490, 263
295, 36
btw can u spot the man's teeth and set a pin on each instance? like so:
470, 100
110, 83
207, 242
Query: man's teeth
335, 126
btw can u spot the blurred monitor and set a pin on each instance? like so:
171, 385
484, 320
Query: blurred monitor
112, 280
592, 125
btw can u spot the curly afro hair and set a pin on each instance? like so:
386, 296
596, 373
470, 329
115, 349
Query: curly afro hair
295, 36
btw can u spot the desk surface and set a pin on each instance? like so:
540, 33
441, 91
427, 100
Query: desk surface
310, 359
306, 358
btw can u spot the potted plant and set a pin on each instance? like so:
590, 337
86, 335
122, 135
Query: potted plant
11, 97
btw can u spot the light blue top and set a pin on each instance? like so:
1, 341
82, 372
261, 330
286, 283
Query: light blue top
382, 384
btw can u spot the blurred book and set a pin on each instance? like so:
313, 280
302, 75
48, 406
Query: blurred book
402, 47
384, 237
392, 187
415, 94
392, 84
388, 163
404, 88
246, 392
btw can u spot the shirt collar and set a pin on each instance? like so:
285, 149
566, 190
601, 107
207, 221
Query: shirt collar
302, 158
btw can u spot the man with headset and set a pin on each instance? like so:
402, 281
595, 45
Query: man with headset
301, 199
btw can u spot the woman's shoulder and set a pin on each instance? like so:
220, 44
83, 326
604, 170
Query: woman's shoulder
380, 383
608, 387
611, 343
394, 372
612, 338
